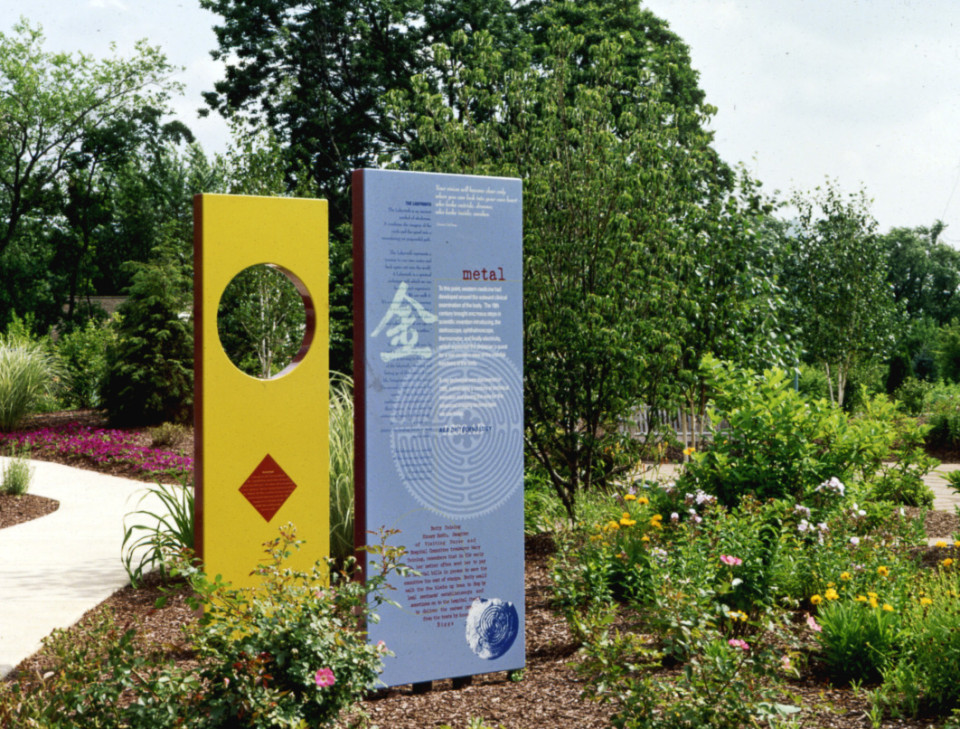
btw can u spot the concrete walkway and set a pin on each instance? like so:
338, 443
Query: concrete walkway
56, 568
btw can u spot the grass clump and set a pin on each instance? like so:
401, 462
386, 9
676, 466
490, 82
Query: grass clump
27, 374
341, 467
16, 476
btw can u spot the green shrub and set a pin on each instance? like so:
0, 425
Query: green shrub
83, 355
943, 416
773, 443
858, 639
899, 478
303, 629
168, 435
925, 676
150, 365
16, 476
291, 653
912, 395
28, 373
341, 467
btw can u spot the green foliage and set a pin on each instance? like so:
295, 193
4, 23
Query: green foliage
82, 353
858, 639
150, 367
774, 443
28, 374
157, 539
91, 675
925, 674
341, 467
16, 475
609, 291
168, 435
75, 131
835, 269
291, 653
942, 408
261, 320
899, 478
51, 102
923, 272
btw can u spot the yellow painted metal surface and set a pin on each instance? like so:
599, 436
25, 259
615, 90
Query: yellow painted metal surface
261, 445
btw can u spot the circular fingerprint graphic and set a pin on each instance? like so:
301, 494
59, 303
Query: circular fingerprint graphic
492, 626
457, 434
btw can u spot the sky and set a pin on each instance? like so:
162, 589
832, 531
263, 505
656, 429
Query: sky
862, 92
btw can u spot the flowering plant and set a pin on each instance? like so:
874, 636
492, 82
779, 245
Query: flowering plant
293, 651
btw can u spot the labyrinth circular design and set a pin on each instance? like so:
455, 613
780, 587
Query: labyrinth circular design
492, 626
457, 434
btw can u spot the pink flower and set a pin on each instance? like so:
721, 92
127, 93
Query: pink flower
738, 643
813, 625
381, 647
732, 561
325, 678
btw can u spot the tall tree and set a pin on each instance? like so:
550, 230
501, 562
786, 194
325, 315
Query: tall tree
923, 272
606, 183
835, 267
51, 102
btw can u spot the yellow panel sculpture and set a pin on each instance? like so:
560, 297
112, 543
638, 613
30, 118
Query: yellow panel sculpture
261, 444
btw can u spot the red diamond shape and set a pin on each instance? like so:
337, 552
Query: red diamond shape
268, 488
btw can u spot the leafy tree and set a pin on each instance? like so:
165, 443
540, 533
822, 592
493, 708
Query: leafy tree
835, 268
50, 103
261, 321
606, 262
316, 75
923, 272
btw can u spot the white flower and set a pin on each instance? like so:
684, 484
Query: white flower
803, 526
674, 516
801, 509
854, 541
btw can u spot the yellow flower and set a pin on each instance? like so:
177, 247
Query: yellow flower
940, 544
643, 500
947, 562
872, 594
926, 601
888, 607
882, 571
861, 598
626, 521
831, 594
655, 521
957, 544
689, 450
612, 526
630, 497
845, 576
816, 600
873, 602
644, 538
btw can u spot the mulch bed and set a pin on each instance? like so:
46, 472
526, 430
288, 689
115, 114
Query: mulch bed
20, 509
547, 693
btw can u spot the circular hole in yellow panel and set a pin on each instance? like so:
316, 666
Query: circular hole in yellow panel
265, 321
